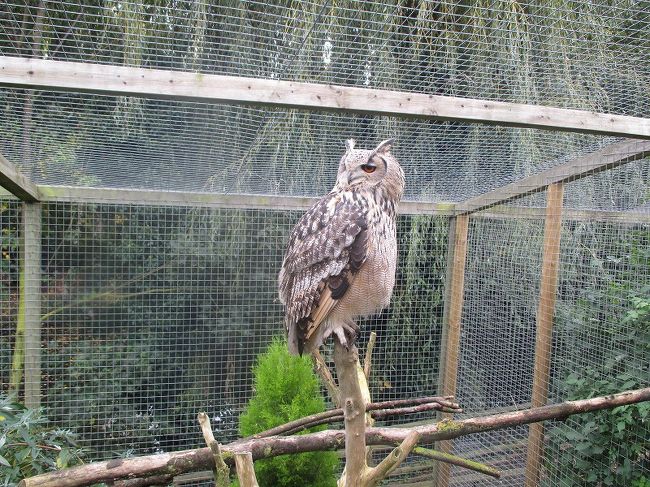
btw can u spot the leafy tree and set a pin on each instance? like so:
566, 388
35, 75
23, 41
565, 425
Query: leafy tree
287, 389
29, 445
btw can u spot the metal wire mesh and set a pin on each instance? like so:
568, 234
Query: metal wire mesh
577, 54
600, 346
9, 281
98, 141
152, 313
496, 348
147, 318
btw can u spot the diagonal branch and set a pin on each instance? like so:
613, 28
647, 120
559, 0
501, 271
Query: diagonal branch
458, 461
393, 460
378, 410
321, 368
221, 470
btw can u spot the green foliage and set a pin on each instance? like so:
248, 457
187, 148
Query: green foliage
602, 447
606, 448
29, 445
287, 389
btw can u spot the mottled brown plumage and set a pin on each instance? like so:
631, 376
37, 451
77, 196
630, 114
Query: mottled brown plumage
341, 257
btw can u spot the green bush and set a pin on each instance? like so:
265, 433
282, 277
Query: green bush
287, 389
607, 447
29, 445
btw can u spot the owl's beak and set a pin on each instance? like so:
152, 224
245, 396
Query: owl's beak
352, 178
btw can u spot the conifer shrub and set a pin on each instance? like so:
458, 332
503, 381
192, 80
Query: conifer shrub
286, 389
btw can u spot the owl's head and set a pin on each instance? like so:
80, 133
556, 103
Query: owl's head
371, 168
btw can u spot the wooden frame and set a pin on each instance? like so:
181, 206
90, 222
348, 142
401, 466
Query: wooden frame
30, 301
16, 183
454, 313
544, 331
606, 158
179, 85
211, 200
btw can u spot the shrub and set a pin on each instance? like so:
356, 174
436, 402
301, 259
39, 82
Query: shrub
29, 446
287, 389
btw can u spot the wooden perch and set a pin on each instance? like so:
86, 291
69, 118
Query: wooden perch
373, 476
221, 470
202, 458
354, 410
458, 461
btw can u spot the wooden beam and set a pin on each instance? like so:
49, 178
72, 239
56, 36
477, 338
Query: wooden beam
178, 85
211, 200
606, 158
442, 359
544, 333
628, 217
452, 332
72, 194
16, 183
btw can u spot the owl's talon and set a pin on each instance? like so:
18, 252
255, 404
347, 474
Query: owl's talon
351, 331
342, 337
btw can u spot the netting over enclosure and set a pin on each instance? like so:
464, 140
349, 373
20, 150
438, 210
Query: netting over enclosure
157, 154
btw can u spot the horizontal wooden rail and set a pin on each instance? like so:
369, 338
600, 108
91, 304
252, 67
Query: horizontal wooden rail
70, 194
213, 200
606, 158
186, 86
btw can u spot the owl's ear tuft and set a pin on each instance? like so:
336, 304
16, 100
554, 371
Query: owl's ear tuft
385, 146
349, 144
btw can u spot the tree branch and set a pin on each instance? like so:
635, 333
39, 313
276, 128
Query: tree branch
354, 410
321, 368
458, 461
245, 469
367, 361
375, 475
377, 410
201, 459
221, 470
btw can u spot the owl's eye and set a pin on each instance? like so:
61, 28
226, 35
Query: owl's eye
369, 168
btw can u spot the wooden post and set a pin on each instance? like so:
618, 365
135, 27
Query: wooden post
454, 310
543, 338
31, 299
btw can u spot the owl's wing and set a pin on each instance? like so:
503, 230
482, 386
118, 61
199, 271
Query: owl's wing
327, 247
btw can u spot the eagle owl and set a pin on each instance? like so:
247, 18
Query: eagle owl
341, 257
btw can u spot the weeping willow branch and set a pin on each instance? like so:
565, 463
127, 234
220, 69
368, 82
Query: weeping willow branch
202, 458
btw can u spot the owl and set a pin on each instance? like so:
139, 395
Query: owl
341, 257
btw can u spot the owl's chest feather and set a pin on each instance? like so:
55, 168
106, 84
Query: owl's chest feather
373, 285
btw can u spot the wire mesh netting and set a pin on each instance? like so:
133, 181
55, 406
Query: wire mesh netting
84, 140
150, 313
571, 54
497, 341
577, 54
147, 318
9, 273
600, 346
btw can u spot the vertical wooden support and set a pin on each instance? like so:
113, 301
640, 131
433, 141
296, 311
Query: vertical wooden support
454, 312
31, 299
544, 334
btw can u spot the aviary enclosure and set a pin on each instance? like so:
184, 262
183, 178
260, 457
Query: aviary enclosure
156, 155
